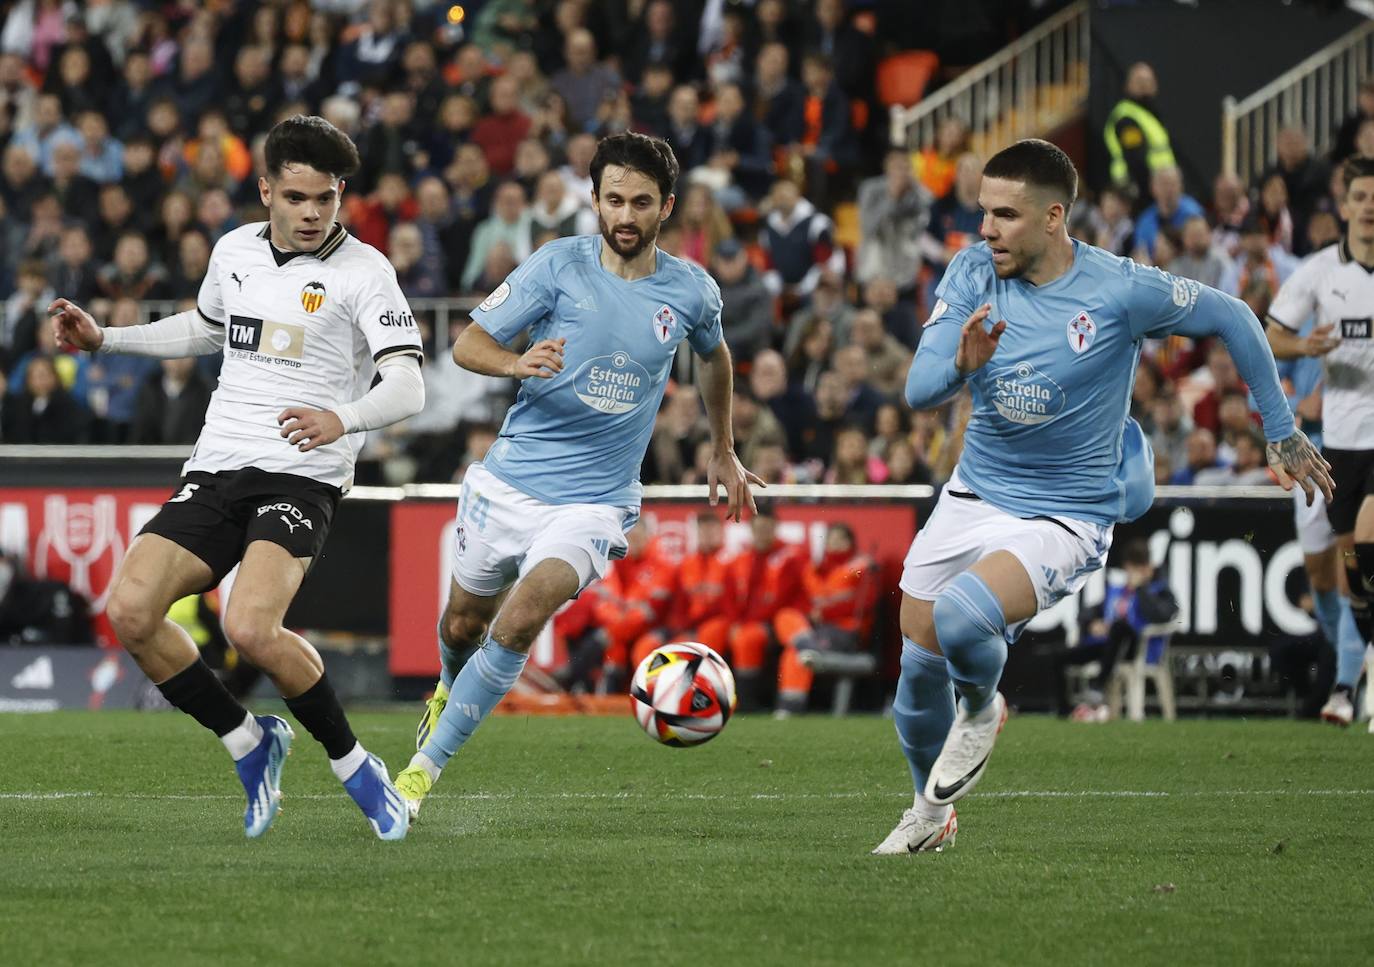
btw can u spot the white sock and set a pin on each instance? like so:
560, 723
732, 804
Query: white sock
350, 763
928, 811
426, 763
243, 739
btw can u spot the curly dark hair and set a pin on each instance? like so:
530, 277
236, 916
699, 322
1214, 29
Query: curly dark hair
638, 152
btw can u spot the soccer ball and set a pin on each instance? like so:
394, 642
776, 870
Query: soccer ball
683, 694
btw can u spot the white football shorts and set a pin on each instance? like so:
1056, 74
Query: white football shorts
1058, 553
1314, 529
503, 533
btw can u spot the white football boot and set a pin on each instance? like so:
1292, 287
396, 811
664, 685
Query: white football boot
917, 835
965, 755
1339, 709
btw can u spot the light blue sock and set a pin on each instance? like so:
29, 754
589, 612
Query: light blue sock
1326, 608
484, 681
1349, 648
969, 623
923, 709
450, 659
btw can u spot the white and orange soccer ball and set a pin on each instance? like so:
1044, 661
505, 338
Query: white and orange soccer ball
683, 694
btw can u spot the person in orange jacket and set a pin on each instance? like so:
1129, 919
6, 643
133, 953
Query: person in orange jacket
703, 608
639, 594
767, 580
842, 590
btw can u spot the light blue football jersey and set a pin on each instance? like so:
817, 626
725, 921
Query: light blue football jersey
580, 437
1050, 433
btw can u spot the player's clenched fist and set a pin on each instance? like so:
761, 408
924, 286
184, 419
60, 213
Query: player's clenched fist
74, 327
976, 344
544, 359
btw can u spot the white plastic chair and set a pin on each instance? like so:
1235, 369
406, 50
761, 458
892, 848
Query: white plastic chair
1130, 677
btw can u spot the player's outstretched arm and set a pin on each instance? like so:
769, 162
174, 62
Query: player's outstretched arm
475, 350
717, 388
947, 356
172, 337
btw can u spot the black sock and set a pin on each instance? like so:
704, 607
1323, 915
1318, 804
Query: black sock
318, 709
1359, 601
197, 692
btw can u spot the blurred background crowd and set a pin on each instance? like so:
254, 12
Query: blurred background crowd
132, 137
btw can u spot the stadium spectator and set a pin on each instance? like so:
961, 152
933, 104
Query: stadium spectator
778, 97
1201, 260
25, 312
861, 400
790, 404
893, 209
132, 273
20, 181
133, 94
583, 82
101, 156
1230, 205
1364, 111
371, 217
747, 305
738, 150
799, 240
555, 213
754, 424
75, 268
1111, 226
198, 84
1262, 265
851, 464
45, 228
1306, 177
767, 579
774, 24
661, 39
114, 382
171, 404
576, 170
898, 313
1249, 469
810, 357
888, 360
187, 271
678, 429
1171, 208
43, 412
419, 272
254, 93
842, 590
818, 439
649, 101
502, 127
828, 302
1201, 450
371, 57
703, 222
115, 215
955, 219
47, 129
704, 607
826, 148
391, 145
509, 223
1170, 428
1137, 142
1273, 212
17, 93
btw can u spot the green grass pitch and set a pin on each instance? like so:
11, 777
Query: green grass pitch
579, 841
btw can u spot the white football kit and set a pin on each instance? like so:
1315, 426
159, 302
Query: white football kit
301, 329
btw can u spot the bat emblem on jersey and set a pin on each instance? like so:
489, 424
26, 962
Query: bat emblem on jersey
312, 296
1082, 331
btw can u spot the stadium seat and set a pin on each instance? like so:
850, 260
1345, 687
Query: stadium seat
902, 78
845, 666
1151, 664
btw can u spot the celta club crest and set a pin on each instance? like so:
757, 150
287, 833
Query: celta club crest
1082, 331
664, 323
312, 296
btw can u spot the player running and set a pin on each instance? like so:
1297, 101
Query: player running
1051, 460
306, 316
540, 518
1336, 286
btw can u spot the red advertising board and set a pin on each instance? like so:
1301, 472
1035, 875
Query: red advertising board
422, 541
77, 536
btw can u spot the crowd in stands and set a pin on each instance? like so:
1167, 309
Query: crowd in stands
132, 140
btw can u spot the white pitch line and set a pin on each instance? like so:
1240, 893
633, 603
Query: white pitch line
767, 796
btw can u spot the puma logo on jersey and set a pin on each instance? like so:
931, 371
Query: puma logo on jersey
1340, 294
235, 277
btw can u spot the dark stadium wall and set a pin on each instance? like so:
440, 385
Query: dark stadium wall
1200, 54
